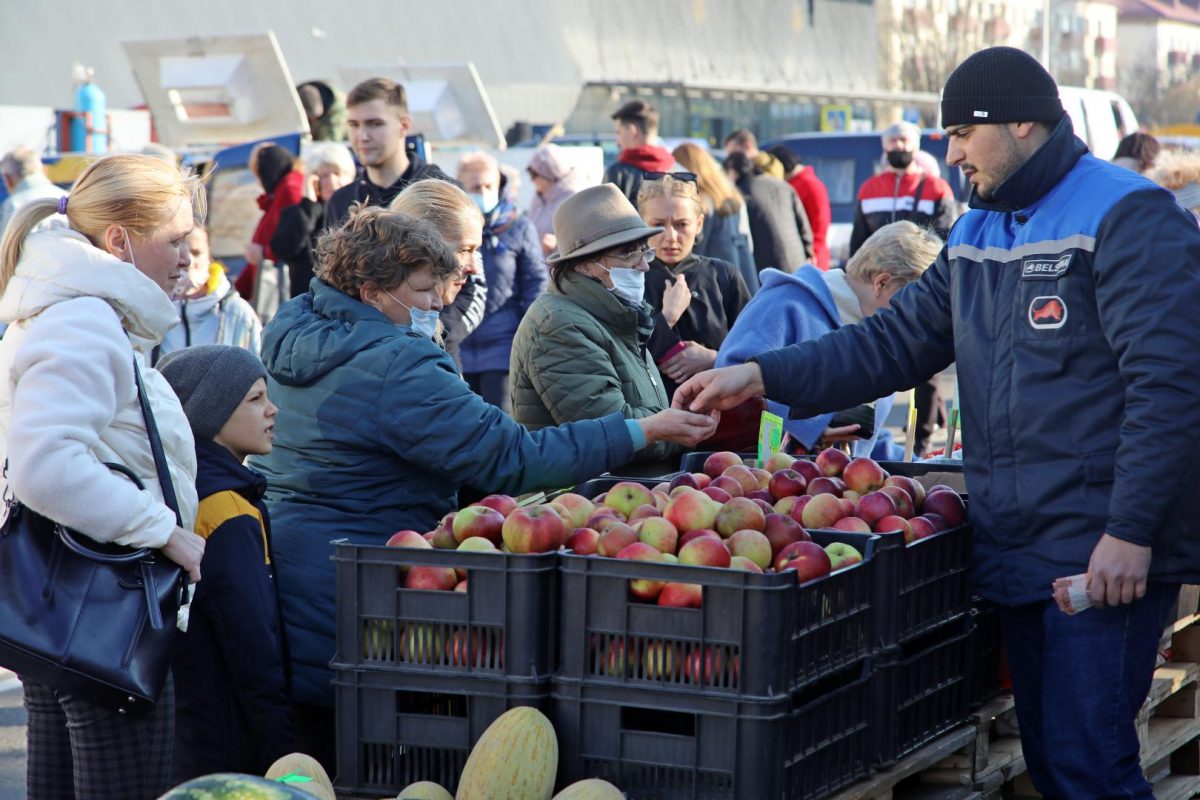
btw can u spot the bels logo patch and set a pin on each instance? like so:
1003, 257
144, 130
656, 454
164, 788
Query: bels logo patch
1045, 269
1047, 312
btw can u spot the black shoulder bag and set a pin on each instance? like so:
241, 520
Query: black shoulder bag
90, 619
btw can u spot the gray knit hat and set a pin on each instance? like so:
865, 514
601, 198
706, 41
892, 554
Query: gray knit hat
211, 380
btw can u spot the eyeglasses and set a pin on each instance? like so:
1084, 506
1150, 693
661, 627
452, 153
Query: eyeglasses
686, 177
634, 257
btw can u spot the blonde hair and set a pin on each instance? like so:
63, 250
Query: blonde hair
442, 204
668, 187
137, 192
901, 249
716, 190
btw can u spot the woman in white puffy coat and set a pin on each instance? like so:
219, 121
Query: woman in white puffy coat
83, 300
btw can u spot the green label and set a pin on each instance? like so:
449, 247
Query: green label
770, 436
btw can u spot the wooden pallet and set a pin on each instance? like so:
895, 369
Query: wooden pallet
880, 786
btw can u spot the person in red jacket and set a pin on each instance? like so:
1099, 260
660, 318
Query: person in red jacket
636, 124
813, 196
283, 187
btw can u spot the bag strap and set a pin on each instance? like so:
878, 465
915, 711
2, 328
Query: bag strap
156, 448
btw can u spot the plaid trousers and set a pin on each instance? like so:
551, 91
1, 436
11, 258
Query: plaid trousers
81, 751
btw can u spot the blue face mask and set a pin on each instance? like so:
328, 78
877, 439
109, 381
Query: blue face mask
487, 201
628, 284
423, 322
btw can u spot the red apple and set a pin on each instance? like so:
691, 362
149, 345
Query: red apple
409, 539
766, 507
704, 551
684, 479
717, 463
661, 500
478, 521
461, 586
938, 522
948, 505
786, 483
692, 510
824, 486
728, 485
738, 514
681, 595
904, 504
744, 564
625, 496
614, 540
641, 512
710, 667
874, 507
702, 480
753, 545
745, 478
583, 541
939, 487
575, 509
847, 506
599, 514
807, 468
863, 475
821, 512
718, 494
761, 494
781, 530
603, 524
614, 658
808, 559
535, 529
921, 528
500, 502
657, 532
663, 487
851, 495
851, 525
643, 588
842, 555
764, 477
687, 537
832, 462
778, 462
796, 512
473, 649
916, 491
476, 544
892, 524
439, 578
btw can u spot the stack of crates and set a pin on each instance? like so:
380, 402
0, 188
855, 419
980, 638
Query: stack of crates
420, 674
763, 691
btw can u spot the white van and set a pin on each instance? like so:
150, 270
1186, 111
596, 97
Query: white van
1101, 119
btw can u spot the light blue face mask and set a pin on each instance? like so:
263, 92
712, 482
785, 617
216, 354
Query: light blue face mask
487, 201
628, 284
423, 322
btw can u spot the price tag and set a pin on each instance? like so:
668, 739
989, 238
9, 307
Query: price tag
770, 436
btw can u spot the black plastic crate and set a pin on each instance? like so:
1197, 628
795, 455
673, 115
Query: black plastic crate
920, 690
986, 651
504, 625
394, 729
665, 746
923, 584
755, 635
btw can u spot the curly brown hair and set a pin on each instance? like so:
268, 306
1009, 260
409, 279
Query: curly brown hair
381, 247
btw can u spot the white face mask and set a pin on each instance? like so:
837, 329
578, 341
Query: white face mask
129, 246
487, 201
628, 284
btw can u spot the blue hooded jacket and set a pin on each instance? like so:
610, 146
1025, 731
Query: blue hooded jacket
792, 308
376, 431
1068, 301
516, 275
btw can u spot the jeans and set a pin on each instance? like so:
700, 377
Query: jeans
1079, 682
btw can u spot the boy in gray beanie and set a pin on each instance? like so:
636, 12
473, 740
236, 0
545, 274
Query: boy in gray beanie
232, 707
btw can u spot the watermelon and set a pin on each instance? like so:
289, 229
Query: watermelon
516, 758
424, 790
232, 786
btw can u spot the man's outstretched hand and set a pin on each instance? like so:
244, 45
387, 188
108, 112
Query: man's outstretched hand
720, 389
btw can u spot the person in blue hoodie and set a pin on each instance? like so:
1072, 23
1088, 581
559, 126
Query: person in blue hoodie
232, 709
512, 265
809, 303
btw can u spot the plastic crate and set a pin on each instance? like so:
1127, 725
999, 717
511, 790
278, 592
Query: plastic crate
667, 746
755, 635
920, 690
394, 729
986, 653
504, 625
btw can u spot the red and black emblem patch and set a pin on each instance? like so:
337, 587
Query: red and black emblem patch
1047, 312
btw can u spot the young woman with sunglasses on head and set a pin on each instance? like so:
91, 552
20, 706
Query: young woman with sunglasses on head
695, 299
581, 351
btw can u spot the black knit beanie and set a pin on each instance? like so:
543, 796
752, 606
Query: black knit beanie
997, 85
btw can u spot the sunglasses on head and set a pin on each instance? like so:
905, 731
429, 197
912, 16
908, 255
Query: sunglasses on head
686, 177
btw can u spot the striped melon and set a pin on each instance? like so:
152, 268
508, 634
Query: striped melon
516, 758
591, 789
424, 790
226, 785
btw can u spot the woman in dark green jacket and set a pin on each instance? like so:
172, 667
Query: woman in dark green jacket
581, 350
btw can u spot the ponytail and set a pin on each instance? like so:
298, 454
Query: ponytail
20, 226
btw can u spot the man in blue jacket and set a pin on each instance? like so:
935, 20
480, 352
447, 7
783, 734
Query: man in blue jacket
1067, 295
